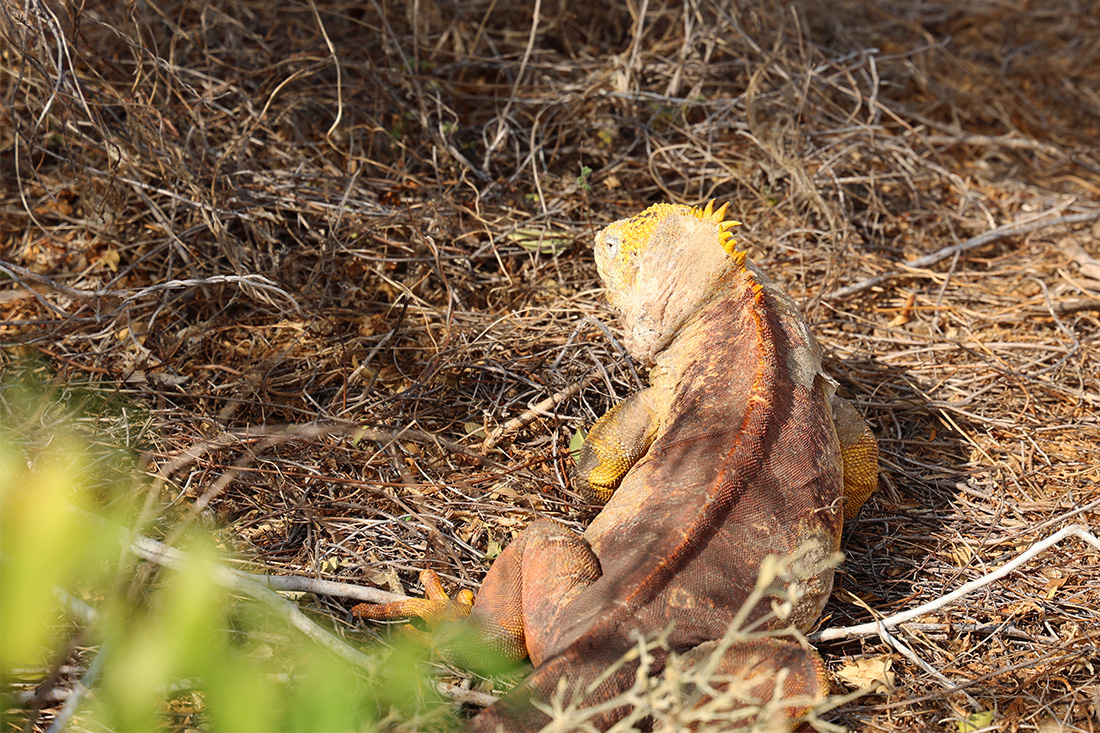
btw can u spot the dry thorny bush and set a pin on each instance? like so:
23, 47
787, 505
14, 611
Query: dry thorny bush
236, 214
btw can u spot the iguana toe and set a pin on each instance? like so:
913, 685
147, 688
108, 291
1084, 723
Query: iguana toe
435, 609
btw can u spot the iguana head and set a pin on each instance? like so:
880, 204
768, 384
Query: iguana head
660, 266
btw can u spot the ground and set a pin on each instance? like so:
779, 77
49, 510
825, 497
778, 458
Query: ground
231, 215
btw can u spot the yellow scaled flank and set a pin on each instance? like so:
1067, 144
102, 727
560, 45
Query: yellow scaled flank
638, 229
860, 472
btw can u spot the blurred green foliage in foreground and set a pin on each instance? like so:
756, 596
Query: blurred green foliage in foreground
158, 648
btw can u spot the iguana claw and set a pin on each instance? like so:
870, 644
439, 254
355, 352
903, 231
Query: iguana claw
436, 608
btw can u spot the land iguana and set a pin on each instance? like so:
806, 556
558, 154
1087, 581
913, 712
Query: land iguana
737, 450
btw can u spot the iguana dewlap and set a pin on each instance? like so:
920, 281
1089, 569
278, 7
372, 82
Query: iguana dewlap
737, 450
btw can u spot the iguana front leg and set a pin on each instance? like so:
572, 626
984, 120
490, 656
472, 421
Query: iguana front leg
614, 444
859, 451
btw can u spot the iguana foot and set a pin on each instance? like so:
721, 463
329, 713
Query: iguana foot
771, 682
437, 608
458, 634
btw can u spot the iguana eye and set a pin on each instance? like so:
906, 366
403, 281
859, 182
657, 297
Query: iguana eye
613, 242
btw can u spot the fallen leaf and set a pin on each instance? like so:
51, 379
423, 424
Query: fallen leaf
872, 673
1090, 268
110, 259
961, 555
1053, 585
493, 549
537, 240
975, 721
576, 442
906, 313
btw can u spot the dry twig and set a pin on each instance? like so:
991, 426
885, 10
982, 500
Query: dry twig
1004, 232
875, 627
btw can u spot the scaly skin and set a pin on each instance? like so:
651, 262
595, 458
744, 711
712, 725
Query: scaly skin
737, 450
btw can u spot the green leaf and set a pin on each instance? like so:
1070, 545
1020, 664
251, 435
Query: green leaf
541, 241
976, 721
582, 179
576, 442
492, 550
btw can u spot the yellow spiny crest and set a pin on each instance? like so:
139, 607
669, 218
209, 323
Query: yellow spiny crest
718, 216
637, 230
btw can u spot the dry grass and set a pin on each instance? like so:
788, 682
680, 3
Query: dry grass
242, 213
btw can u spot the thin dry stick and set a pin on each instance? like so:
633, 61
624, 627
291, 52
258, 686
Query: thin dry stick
537, 411
240, 582
158, 552
81, 688
977, 241
502, 118
336, 66
911, 655
875, 627
308, 431
19, 274
162, 554
302, 584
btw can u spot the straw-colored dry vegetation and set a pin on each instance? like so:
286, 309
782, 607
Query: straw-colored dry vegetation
310, 216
